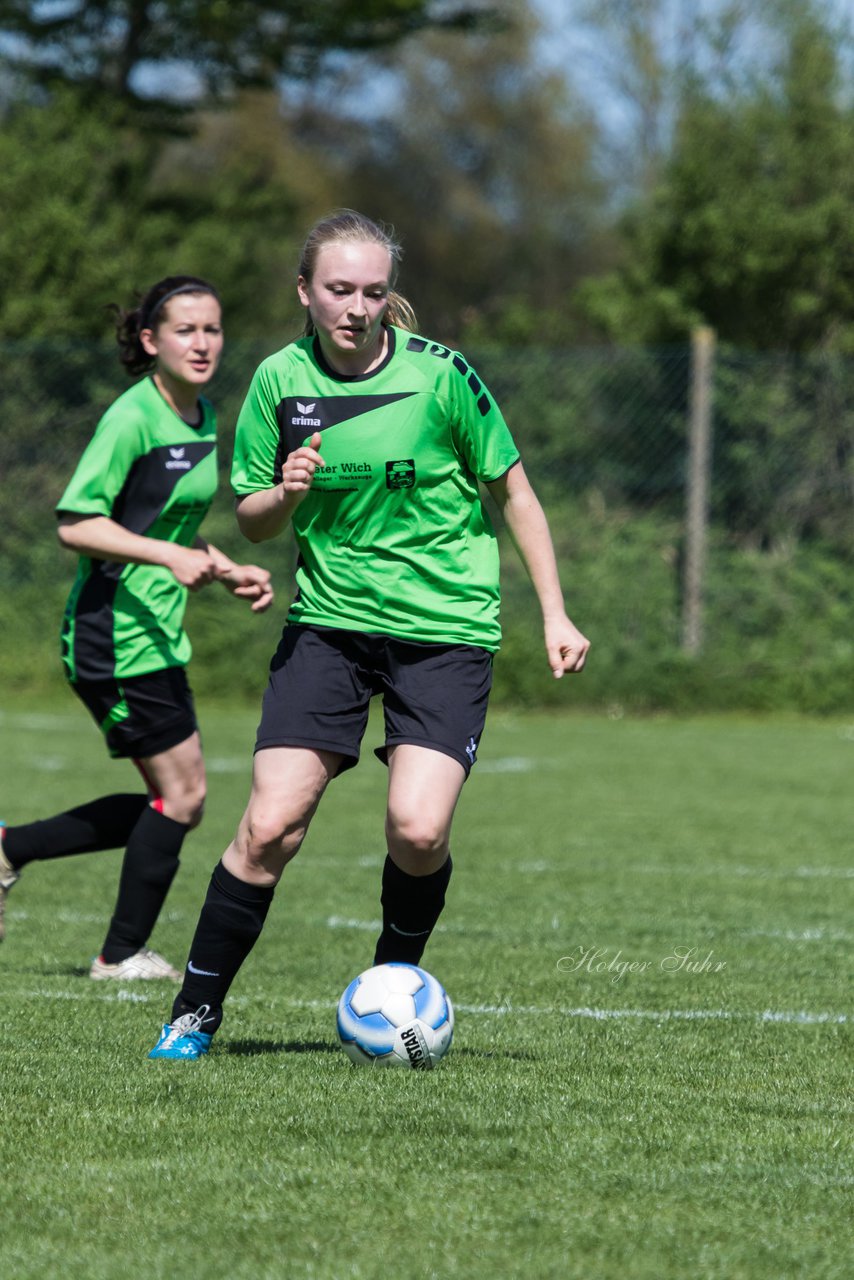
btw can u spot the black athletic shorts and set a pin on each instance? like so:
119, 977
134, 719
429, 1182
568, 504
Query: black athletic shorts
142, 715
322, 680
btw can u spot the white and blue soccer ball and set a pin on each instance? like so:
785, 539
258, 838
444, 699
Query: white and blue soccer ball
395, 1015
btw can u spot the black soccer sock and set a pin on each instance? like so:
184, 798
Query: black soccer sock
150, 863
105, 823
411, 907
231, 921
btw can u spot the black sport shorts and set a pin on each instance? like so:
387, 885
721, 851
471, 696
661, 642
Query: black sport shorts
322, 680
143, 715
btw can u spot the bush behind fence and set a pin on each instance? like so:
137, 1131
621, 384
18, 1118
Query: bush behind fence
604, 434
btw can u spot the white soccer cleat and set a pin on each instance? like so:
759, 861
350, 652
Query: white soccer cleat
8, 877
145, 964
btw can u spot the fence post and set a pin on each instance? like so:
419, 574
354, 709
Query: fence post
698, 486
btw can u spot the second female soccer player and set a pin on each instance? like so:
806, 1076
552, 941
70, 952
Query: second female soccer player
132, 512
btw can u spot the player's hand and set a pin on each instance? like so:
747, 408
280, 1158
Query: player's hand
192, 567
300, 466
249, 582
566, 647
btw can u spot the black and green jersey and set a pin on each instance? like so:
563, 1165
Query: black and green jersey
393, 537
149, 471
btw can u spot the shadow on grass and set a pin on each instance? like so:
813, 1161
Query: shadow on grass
249, 1048
57, 971
508, 1055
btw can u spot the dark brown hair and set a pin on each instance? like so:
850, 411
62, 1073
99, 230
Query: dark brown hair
148, 314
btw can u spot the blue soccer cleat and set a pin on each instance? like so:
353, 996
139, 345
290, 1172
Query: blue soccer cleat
184, 1037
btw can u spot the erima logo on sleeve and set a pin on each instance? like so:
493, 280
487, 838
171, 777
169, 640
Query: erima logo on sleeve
178, 462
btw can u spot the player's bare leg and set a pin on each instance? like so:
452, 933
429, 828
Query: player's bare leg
176, 782
424, 787
287, 786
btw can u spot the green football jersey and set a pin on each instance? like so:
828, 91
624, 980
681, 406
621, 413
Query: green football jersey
393, 537
149, 471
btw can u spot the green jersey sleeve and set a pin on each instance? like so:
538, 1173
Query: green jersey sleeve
104, 466
480, 433
256, 441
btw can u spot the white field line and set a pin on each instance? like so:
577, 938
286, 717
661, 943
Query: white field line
802, 935
541, 866
50, 764
508, 764
91, 917
365, 926
374, 926
800, 1017
787, 935
538, 866
757, 873
39, 721
229, 764
750, 873
657, 1015
223, 764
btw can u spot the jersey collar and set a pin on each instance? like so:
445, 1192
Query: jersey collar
355, 377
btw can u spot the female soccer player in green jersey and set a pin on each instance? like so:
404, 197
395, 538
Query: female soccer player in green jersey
132, 512
371, 443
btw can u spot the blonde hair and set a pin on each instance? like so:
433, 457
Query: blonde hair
346, 226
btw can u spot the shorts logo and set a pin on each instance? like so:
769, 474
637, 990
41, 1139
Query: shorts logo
400, 474
471, 750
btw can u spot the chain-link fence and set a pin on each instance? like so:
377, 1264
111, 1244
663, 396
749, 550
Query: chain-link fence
605, 434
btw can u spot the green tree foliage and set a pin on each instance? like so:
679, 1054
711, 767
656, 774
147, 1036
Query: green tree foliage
70, 233
784, 450
95, 209
484, 162
103, 44
241, 191
642, 59
750, 226
97, 202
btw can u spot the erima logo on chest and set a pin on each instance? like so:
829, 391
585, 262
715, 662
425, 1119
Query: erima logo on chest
302, 419
177, 461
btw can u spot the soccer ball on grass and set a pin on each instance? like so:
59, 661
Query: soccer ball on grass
395, 1015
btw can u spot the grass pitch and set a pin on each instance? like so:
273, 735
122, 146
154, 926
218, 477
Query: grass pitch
647, 941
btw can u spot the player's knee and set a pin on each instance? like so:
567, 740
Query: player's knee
195, 804
267, 841
197, 813
186, 804
422, 835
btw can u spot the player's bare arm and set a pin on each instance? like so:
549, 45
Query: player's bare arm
566, 647
246, 581
103, 539
265, 513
